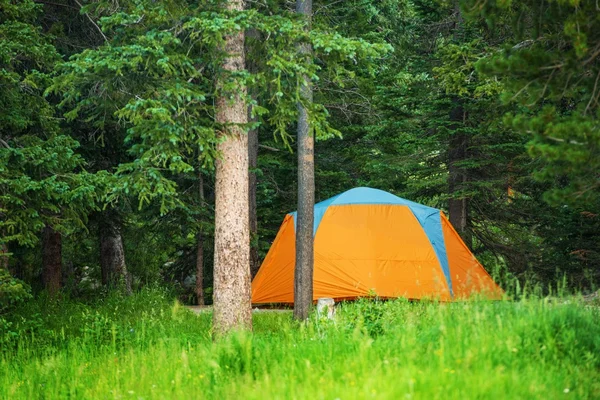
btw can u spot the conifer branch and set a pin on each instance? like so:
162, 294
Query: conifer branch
593, 97
50, 3
92, 21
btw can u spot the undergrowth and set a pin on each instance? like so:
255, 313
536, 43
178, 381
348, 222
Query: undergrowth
150, 347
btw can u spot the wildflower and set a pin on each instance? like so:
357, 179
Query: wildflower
567, 390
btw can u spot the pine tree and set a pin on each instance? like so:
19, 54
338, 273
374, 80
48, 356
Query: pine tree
42, 184
232, 308
303, 272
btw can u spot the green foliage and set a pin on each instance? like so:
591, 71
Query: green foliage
12, 291
158, 78
399, 81
552, 74
113, 321
405, 140
41, 177
147, 346
41, 189
367, 314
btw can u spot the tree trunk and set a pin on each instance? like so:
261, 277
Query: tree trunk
458, 205
252, 182
112, 254
303, 277
3, 256
232, 305
252, 164
51, 260
200, 246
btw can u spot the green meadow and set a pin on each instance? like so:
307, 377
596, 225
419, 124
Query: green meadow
151, 347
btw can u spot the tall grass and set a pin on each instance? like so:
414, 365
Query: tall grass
149, 347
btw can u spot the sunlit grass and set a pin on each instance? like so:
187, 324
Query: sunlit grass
149, 347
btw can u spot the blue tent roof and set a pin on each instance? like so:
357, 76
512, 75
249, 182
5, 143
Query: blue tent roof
366, 195
428, 217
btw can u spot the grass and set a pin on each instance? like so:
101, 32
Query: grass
148, 347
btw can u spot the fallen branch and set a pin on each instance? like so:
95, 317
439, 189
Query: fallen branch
268, 147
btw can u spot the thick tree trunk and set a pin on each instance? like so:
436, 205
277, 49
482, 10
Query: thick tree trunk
200, 246
112, 254
232, 307
303, 277
458, 205
252, 181
51, 260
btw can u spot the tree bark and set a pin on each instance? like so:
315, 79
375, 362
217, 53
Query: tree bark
112, 254
232, 305
3, 256
200, 246
252, 164
51, 260
303, 274
252, 182
458, 205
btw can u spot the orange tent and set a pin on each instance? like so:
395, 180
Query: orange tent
370, 241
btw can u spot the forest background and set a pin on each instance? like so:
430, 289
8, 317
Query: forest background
108, 138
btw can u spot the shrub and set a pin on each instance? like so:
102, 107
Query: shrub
12, 291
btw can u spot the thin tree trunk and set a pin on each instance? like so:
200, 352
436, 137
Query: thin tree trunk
51, 260
232, 305
252, 182
3, 256
253, 164
303, 277
200, 246
458, 205
112, 254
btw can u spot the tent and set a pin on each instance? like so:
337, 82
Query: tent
370, 241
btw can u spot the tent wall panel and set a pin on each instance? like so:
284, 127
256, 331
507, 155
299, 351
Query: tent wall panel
379, 248
274, 282
467, 274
